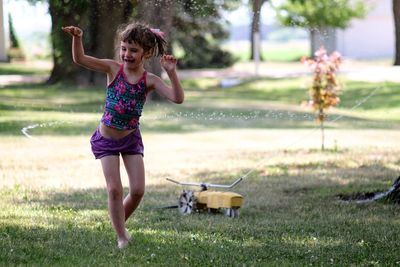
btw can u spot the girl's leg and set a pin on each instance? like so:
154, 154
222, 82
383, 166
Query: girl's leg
135, 168
111, 172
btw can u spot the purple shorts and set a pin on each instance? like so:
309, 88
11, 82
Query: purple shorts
131, 144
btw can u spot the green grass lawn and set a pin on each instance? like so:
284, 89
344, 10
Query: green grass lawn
25, 68
270, 51
53, 201
287, 219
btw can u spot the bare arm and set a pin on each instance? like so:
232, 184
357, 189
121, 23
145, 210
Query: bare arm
174, 92
78, 54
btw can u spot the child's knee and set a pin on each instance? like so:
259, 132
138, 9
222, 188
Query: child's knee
137, 192
115, 193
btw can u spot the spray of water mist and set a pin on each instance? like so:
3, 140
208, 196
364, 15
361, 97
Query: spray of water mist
25, 130
221, 116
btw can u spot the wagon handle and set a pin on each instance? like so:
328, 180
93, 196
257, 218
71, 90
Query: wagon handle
184, 183
207, 185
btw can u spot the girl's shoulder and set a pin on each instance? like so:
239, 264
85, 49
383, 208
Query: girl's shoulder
151, 79
115, 66
152, 76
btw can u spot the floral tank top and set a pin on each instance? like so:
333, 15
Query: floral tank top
124, 102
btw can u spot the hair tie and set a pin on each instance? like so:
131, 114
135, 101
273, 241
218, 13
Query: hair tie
157, 32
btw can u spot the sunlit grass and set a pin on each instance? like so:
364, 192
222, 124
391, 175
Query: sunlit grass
25, 68
270, 51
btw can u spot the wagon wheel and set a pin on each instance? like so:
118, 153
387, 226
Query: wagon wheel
232, 212
187, 202
211, 210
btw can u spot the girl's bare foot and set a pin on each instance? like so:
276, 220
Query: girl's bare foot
124, 242
128, 236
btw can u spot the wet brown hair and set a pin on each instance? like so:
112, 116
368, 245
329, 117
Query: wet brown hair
152, 42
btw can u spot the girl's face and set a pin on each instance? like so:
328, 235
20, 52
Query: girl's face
131, 54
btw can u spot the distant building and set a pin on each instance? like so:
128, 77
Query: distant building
268, 32
372, 37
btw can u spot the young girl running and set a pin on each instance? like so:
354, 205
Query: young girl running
128, 85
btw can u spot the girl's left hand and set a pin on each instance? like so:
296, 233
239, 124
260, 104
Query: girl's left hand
168, 62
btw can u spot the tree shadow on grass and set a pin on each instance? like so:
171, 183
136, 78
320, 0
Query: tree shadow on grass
62, 100
385, 96
189, 119
158, 195
183, 119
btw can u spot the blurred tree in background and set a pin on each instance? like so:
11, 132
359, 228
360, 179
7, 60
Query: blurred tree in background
193, 25
13, 36
318, 16
158, 14
255, 25
198, 30
396, 16
15, 50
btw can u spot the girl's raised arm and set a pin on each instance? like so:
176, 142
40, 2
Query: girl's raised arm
78, 54
175, 92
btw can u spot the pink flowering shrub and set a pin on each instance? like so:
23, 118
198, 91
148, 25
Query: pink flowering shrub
325, 88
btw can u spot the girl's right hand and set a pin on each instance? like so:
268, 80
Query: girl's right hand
73, 31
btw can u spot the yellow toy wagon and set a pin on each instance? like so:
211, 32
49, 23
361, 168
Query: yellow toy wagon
213, 201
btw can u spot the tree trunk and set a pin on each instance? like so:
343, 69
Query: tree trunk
322, 36
394, 192
322, 135
158, 14
63, 15
255, 26
3, 49
98, 38
396, 15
